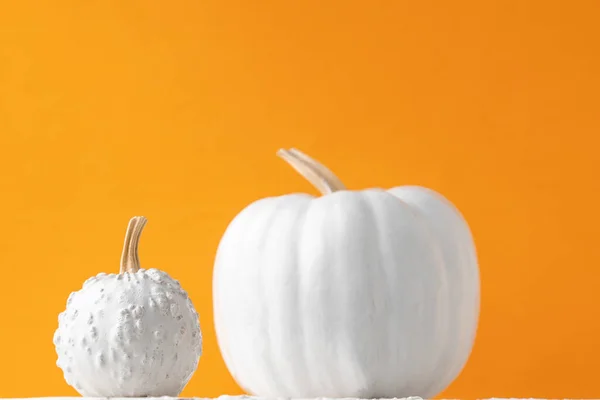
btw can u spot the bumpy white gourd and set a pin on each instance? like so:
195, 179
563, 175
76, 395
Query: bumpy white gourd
132, 334
367, 294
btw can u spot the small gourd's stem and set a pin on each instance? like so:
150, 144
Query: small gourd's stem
130, 262
316, 173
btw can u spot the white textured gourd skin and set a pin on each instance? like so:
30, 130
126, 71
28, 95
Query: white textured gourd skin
369, 294
129, 334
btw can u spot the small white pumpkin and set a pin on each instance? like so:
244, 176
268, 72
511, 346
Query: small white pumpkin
365, 294
132, 334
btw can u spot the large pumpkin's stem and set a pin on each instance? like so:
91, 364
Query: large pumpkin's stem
130, 261
316, 173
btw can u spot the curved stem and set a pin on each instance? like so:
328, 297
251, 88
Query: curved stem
333, 181
130, 261
316, 173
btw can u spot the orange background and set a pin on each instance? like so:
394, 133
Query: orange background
174, 110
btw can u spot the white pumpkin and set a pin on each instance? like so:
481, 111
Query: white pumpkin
130, 334
366, 294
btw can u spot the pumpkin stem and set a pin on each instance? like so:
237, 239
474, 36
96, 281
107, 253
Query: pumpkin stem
316, 173
130, 261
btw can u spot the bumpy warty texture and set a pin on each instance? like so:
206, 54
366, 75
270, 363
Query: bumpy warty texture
130, 334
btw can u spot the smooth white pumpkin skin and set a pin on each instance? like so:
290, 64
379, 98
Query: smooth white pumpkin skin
127, 335
355, 294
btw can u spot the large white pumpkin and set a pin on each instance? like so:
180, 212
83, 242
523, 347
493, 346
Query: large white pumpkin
370, 294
